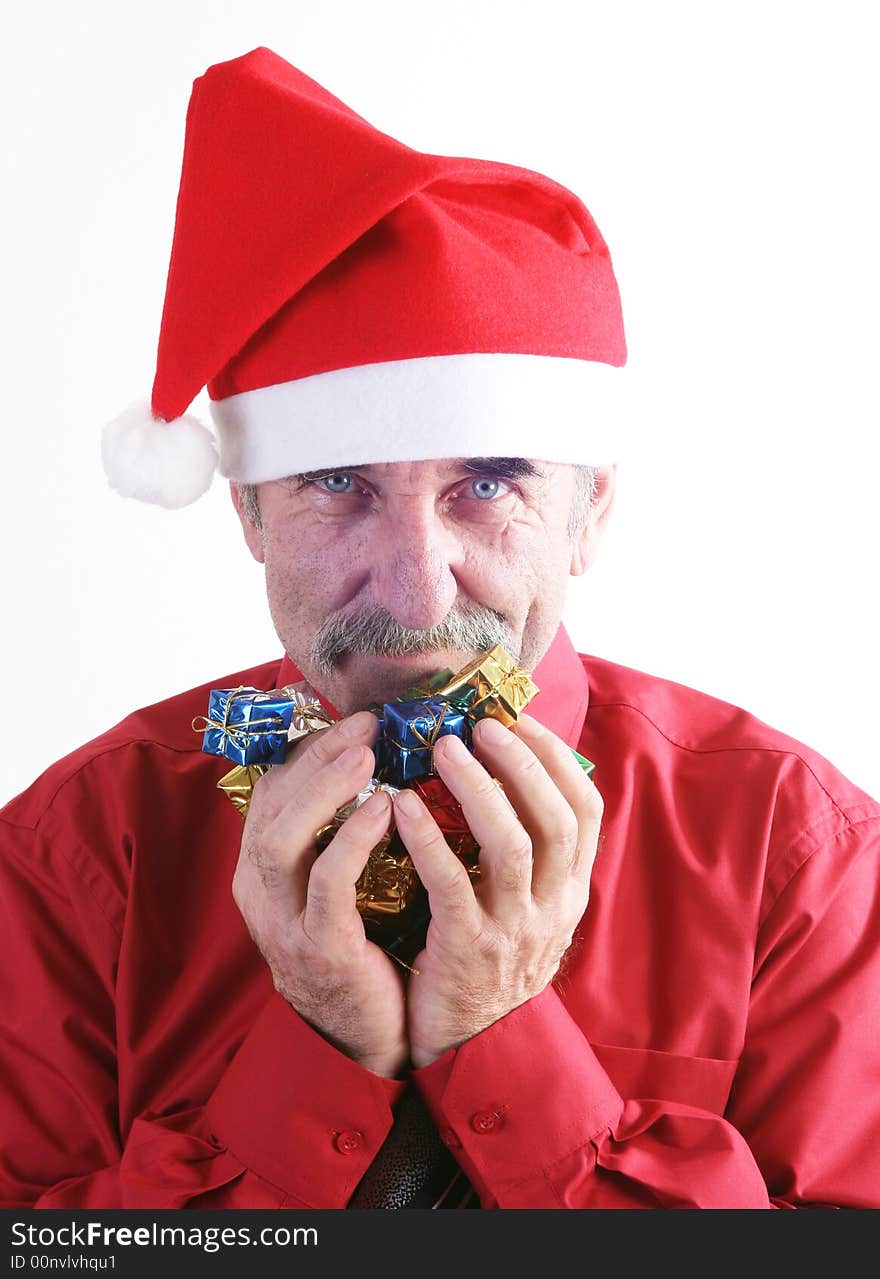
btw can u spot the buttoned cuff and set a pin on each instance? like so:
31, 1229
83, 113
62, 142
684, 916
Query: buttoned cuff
299, 1113
520, 1095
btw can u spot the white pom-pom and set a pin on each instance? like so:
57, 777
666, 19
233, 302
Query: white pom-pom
168, 463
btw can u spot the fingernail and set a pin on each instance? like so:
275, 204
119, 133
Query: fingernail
349, 758
453, 749
407, 803
494, 733
377, 804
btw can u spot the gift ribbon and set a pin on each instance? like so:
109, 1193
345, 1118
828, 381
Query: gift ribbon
240, 735
506, 684
427, 742
510, 683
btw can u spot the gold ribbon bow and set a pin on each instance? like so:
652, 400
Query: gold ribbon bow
239, 734
427, 743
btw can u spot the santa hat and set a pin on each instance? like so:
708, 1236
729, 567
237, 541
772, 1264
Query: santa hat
347, 299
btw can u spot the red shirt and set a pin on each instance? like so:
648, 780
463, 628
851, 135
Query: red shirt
712, 1041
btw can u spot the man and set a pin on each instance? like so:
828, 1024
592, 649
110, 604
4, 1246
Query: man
662, 991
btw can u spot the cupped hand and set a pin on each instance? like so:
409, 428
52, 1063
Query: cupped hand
493, 944
300, 907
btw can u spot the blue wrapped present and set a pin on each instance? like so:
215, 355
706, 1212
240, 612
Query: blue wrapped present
408, 730
247, 726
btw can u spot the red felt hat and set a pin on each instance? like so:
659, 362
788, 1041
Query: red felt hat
347, 299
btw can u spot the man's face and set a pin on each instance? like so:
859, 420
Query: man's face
377, 575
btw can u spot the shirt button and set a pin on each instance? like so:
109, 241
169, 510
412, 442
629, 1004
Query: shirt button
485, 1121
450, 1139
348, 1140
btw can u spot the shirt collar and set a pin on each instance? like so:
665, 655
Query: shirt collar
560, 705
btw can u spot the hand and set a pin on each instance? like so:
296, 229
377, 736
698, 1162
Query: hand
300, 908
494, 944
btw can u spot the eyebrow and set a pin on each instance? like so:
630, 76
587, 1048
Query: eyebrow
509, 468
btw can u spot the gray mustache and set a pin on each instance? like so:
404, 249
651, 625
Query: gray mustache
374, 632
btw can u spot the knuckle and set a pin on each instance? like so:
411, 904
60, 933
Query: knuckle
431, 838
271, 877
312, 793
265, 852
266, 860
324, 746
325, 890
567, 838
514, 877
595, 804
318, 899
449, 883
520, 846
352, 832
484, 787
320, 904
320, 880
488, 945
450, 886
529, 765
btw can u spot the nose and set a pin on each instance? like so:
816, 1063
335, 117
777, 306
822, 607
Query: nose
412, 557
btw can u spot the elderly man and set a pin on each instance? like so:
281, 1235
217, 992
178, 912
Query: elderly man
662, 989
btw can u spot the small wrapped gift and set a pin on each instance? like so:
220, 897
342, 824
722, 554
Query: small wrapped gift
248, 726
307, 715
407, 735
449, 816
388, 884
238, 785
492, 685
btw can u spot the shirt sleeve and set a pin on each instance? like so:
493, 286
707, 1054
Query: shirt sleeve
536, 1122
291, 1122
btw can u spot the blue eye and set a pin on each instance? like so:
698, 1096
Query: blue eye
486, 487
338, 482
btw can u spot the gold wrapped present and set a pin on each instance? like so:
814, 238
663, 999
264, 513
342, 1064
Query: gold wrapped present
388, 884
238, 784
492, 685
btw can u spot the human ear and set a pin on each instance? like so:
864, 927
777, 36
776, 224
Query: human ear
252, 535
585, 546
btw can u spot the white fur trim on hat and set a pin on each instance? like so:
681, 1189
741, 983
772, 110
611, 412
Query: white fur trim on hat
168, 463
548, 407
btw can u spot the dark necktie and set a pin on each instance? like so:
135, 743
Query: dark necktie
413, 1168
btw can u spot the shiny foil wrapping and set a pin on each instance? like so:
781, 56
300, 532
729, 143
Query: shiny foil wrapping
492, 685
388, 884
247, 726
449, 816
307, 715
254, 729
586, 764
408, 732
238, 784
389, 887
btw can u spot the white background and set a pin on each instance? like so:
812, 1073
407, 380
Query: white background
729, 156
